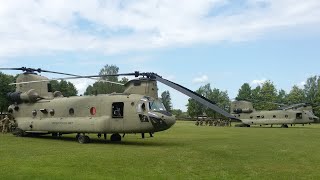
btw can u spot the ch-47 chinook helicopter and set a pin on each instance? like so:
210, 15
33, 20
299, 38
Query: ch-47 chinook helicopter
294, 114
37, 110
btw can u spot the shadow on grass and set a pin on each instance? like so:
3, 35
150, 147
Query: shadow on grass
102, 141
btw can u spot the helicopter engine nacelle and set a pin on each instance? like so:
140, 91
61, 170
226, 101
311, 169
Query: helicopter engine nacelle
238, 107
29, 96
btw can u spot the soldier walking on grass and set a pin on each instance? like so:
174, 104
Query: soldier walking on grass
5, 124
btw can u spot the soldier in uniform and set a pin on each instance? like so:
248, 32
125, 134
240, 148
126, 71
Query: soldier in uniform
197, 122
211, 122
201, 122
5, 124
206, 121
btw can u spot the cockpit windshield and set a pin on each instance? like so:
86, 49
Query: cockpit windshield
156, 105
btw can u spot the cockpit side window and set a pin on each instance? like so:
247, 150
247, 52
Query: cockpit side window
156, 105
117, 110
142, 106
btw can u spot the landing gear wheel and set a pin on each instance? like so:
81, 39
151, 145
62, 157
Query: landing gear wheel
77, 136
18, 132
115, 137
54, 134
284, 126
82, 139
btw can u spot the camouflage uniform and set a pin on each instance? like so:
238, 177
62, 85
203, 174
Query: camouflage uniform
5, 124
211, 122
201, 122
197, 123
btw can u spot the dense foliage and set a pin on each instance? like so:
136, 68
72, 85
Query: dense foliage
166, 100
221, 98
66, 88
266, 97
5, 80
102, 87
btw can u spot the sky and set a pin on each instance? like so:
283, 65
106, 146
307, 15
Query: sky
192, 42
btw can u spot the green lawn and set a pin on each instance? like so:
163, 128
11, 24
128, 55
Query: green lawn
183, 152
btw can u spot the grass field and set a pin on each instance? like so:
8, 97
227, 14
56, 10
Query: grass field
183, 152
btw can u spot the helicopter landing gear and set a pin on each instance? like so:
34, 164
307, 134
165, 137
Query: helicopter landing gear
284, 126
54, 134
18, 132
83, 139
115, 137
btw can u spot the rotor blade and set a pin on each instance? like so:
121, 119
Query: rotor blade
102, 80
294, 106
17, 69
54, 72
103, 75
56, 79
208, 103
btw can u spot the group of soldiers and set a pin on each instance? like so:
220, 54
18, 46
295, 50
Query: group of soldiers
6, 124
213, 122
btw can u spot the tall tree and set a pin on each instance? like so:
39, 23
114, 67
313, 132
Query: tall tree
245, 93
267, 97
66, 88
109, 70
219, 97
255, 96
281, 97
101, 87
316, 103
166, 100
195, 109
5, 88
296, 95
311, 89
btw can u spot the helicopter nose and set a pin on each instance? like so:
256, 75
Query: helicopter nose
170, 121
161, 122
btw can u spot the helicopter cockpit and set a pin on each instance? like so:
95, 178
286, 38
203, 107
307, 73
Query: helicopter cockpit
156, 105
153, 110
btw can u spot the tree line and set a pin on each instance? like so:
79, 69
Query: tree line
263, 97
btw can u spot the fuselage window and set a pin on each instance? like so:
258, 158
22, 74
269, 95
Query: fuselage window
117, 110
299, 115
71, 111
34, 113
49, 87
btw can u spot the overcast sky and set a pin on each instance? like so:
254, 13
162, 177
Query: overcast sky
192, 42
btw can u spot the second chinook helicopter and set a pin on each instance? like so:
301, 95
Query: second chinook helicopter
37, 110
295, 114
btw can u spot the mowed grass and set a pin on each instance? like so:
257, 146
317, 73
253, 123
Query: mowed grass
182, 152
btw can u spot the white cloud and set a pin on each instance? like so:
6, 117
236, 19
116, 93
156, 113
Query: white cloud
82, 84
258, 82
201, 79
34, 26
